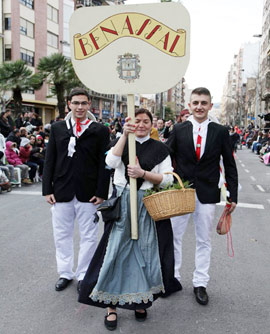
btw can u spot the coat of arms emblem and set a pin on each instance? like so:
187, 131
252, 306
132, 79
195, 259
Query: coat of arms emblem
128, 67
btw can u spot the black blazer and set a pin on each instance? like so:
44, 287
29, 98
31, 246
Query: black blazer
204, 174
84, 174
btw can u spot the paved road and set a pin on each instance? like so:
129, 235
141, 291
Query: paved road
239, 287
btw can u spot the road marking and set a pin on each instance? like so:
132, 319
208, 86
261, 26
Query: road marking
240, 161
245, 205
243, 165
21, 192
268, 201
260, 188
253, 178
247, 170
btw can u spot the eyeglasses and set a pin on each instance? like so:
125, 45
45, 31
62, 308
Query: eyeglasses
77, 103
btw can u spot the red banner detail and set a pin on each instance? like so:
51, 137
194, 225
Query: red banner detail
94, 41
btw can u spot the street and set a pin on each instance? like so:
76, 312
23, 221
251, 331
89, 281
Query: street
239, 290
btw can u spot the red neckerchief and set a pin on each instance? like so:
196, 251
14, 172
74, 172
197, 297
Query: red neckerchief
78, 125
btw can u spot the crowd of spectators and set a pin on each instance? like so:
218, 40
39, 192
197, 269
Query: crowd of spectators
22, 146
257, 140
23, 142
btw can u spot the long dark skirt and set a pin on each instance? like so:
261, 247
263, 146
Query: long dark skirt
166, 253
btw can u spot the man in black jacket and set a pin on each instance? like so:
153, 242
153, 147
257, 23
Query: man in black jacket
197, 146
75, 181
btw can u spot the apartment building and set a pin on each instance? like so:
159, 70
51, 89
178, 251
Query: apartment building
105, 106
32, 30
238, 100
265, 58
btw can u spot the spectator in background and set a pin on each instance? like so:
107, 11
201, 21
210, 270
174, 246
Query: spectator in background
234, 139
5, 124
36, 120
184, 115
23, 132
47, 128
14, 160
6, 168
155, 119
25, 152
14, 137
37, 155
22, 120
161, 129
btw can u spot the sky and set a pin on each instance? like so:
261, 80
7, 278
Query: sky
218, 30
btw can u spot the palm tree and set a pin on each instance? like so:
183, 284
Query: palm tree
58, 72
17, 77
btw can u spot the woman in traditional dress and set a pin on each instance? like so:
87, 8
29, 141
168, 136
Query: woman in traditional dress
128, 273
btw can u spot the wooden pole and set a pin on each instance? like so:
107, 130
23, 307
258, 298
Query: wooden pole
132, 161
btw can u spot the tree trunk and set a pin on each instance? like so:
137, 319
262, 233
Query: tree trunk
17, 98
61, 103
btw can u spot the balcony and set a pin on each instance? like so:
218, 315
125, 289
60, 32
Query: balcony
88, 3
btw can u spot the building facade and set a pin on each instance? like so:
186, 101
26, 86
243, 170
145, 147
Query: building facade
265, 59
238, 97
32, 30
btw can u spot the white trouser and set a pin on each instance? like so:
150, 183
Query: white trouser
63, 218
203, 217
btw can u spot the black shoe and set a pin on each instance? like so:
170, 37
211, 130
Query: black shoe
110, 324
62, 283
141, 316
201, 295
79, 286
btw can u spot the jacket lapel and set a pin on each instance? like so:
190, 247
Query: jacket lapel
209, 139
190, 142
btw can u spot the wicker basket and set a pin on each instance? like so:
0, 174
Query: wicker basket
170, 203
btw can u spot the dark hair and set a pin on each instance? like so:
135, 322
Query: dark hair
144, 111
78, 91
201, 91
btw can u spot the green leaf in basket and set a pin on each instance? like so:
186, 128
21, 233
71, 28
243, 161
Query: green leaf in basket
168, 186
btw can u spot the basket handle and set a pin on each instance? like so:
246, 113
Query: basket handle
178, 179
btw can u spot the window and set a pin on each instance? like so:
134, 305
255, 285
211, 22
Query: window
27, 56
7, 23
26, 28
267, 81
52, 40
28, 3
8, 53
30, 91
52, 13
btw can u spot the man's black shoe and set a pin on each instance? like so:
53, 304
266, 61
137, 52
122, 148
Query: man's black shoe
79, 286
62, 283
201, 295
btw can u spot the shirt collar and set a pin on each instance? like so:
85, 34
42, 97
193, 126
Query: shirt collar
142, 139
199, 128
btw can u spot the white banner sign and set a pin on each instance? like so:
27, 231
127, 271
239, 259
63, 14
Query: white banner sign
130, 49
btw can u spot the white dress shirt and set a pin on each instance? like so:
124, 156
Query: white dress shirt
199, 129
116, 162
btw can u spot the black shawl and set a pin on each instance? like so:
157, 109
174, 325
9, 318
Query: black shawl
150, 153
